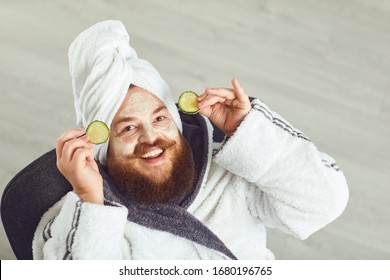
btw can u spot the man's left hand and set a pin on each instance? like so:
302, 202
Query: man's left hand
225, 107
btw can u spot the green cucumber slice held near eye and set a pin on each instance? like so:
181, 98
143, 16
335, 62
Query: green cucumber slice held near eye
98, 132
188, 102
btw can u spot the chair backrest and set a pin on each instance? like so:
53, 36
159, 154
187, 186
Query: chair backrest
27, 197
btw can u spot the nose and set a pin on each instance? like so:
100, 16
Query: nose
149, 135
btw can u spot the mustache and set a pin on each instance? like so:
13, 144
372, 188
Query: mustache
142, 148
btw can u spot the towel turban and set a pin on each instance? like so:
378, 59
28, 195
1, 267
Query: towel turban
102, 66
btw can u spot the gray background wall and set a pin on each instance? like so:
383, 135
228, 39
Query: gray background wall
322, 64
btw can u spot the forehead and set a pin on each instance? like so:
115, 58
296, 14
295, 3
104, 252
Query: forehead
138, 101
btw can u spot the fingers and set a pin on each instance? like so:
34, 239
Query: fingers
71, 146
237, 92
210, 100
221, 92
68, 142
240, 93
66, 136
81, 155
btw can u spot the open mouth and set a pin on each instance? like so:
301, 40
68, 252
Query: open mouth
153, 156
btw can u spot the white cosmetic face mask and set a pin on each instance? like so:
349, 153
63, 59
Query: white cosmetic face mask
141, 116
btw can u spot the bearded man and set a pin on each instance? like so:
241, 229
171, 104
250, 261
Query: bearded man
173, 186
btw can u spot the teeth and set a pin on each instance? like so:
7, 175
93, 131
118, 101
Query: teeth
154, 153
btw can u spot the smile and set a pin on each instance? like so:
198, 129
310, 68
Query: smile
152, 154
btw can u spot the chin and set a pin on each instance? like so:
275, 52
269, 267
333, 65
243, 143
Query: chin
158, 174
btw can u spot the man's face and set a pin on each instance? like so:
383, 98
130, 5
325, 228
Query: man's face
146, 150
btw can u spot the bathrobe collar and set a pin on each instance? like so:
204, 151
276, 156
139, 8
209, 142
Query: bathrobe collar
174, 218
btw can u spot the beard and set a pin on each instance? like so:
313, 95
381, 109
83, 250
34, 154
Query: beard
167, 185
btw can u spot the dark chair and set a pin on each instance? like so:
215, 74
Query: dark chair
27, 197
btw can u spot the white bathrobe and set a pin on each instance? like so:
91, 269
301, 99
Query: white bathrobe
268, 174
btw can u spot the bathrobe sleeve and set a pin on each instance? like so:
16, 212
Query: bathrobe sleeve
73, 229
292, 186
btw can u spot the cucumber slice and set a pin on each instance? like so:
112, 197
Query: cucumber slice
98, 132
188, 103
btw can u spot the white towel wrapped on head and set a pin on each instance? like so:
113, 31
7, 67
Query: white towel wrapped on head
102, 66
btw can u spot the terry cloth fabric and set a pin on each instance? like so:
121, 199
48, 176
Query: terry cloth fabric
266, 175
102, 66
172, 218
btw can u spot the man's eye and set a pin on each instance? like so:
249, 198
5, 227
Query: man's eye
160, 118
128, 128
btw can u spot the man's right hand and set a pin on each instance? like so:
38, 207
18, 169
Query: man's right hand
75, 160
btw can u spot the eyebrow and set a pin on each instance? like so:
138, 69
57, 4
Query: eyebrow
160, 108
125, 119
